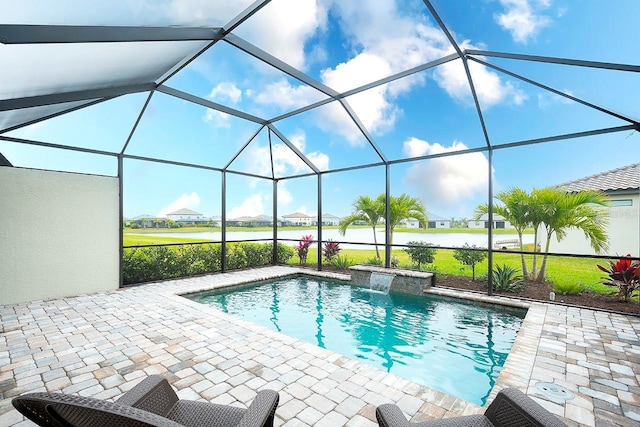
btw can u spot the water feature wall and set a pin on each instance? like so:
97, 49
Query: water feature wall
380, 281
391, 279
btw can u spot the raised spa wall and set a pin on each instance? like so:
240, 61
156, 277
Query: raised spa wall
404, 281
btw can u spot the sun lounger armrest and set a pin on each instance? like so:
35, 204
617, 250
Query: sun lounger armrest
53, 409
262, 410
154, 394
389, 415
511, 407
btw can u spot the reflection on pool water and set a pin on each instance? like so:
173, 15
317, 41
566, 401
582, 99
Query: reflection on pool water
444, 343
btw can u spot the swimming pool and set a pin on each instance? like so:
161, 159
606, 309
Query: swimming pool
444, 343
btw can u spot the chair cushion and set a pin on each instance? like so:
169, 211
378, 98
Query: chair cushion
204, 414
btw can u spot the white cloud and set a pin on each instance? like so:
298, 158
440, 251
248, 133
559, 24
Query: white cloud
252, 206
286, 96
490, 88
284, 195
217, 118
545, 99
445, 181
189, 201
282, 28
285, 161
226, 91
522, 18
406, 42
373, 107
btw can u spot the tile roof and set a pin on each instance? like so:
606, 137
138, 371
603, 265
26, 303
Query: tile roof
184, 211
624, 178
297, 215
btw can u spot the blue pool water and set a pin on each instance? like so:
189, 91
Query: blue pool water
444, 343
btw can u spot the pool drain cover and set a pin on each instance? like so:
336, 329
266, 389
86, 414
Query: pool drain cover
554, 391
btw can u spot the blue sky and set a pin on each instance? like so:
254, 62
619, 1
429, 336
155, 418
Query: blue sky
345, 45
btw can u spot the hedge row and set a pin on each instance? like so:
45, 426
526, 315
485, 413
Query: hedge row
167, 262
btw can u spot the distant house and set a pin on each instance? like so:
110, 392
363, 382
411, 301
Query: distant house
409, 223
187, 216
298, 218
251, 221
145, 221
436, 221
327, 219
622, 185
483, 222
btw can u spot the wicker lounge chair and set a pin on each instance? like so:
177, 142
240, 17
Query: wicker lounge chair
510, 408
150, 403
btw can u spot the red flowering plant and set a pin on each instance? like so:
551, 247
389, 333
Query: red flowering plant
330, 249
624, 274
303, 248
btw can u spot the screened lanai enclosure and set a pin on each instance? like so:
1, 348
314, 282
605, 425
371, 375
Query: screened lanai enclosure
295, 108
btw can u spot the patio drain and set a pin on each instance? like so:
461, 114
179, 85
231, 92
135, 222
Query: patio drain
554, 391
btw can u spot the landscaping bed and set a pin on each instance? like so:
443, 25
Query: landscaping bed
533, 291
540, 292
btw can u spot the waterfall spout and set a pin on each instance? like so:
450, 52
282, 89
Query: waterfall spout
381, 281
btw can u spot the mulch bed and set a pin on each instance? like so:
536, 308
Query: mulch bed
535, 291
540, 292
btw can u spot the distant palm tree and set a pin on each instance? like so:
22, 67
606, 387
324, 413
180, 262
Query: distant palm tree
515, 208
372, 211
144, 222
560, 210
169, 222
156, 221
364, 209
401, 208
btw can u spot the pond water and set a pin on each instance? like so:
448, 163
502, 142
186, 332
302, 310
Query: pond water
358, 235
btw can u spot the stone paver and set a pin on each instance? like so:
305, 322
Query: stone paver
101, 345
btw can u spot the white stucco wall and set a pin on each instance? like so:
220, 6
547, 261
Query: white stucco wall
58, 234
623, 232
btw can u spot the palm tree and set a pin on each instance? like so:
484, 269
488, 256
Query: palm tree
515, 208
169, 222
364, 209
144, 222
156, 221
401, 208
561, 210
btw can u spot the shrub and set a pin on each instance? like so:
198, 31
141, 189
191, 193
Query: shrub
373, 261
236, 257
623, 274
395, 261
303, 248
420, 252
284, 253
469, 255
342, 262
330, 249
569, 288
507, 279
257, 255
165, 262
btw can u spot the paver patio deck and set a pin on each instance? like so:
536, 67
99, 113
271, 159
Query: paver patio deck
101, 345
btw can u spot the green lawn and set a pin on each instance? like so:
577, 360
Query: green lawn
560, 270
133, 240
